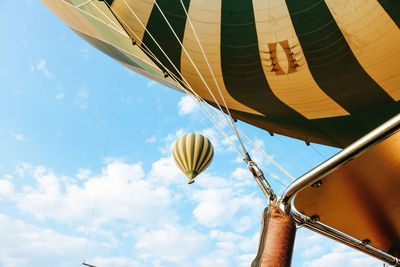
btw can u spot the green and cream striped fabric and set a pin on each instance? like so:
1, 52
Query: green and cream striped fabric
193, 153
322, 71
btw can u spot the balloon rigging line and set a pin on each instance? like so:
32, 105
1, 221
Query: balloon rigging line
263, 152
185, 82
172, 75
267, 156
212, 73
173, 65
88, 238
193, 94
107, 138
294, 151
201, 76
90, 15
113, 22
316, 150
85, 3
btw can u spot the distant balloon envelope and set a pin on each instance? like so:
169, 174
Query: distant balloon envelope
193, 153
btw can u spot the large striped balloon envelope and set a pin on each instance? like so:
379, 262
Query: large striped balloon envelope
193, 153
323, 71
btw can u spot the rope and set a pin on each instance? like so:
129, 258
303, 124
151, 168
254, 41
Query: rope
85, 3
215, 80
173, 65
107, 138
194, 95
113, 22
198, 97
319, 153
230, 122
294, 151
267, 156
90, 15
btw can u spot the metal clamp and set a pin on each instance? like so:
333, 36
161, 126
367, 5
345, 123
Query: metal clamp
260, 179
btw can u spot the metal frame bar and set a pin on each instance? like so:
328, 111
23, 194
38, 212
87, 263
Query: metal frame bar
313, 176
336, 235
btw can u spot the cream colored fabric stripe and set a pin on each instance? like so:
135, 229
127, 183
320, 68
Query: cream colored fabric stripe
142, 9
374, 39
189, 150
206, 18
76, 20
178, 160
72, 17
284, 63
181, 153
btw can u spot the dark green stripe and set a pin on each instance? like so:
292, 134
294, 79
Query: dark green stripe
242, 69
208, 162
330, 59
392, 7
196, 166
109, 2
159, 29
243, 73
201, 161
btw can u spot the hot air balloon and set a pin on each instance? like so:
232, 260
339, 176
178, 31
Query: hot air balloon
193, 153
320, 71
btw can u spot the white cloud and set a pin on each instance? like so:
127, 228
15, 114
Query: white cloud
345, 258
187, 105
6, 189
170, 141
164, 171
220, 204
28, 245
82, 96
242, 177
120, 191
23, 168
83, 173
41, 66
60, 96
151, 140
17, 136
151, 83
115, 262
85, 52
172, 243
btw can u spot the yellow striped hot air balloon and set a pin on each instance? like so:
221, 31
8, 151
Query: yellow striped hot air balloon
193, 153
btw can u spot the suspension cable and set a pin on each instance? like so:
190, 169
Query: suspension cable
211, 71
267, 156
316, 150
113, 22
194, 95
173, 65
293, 150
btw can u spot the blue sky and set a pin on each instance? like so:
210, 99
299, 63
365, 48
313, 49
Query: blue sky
86, 151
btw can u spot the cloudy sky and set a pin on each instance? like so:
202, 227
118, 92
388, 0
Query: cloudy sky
86, 169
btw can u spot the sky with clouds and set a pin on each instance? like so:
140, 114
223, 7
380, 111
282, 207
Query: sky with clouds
86, 170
